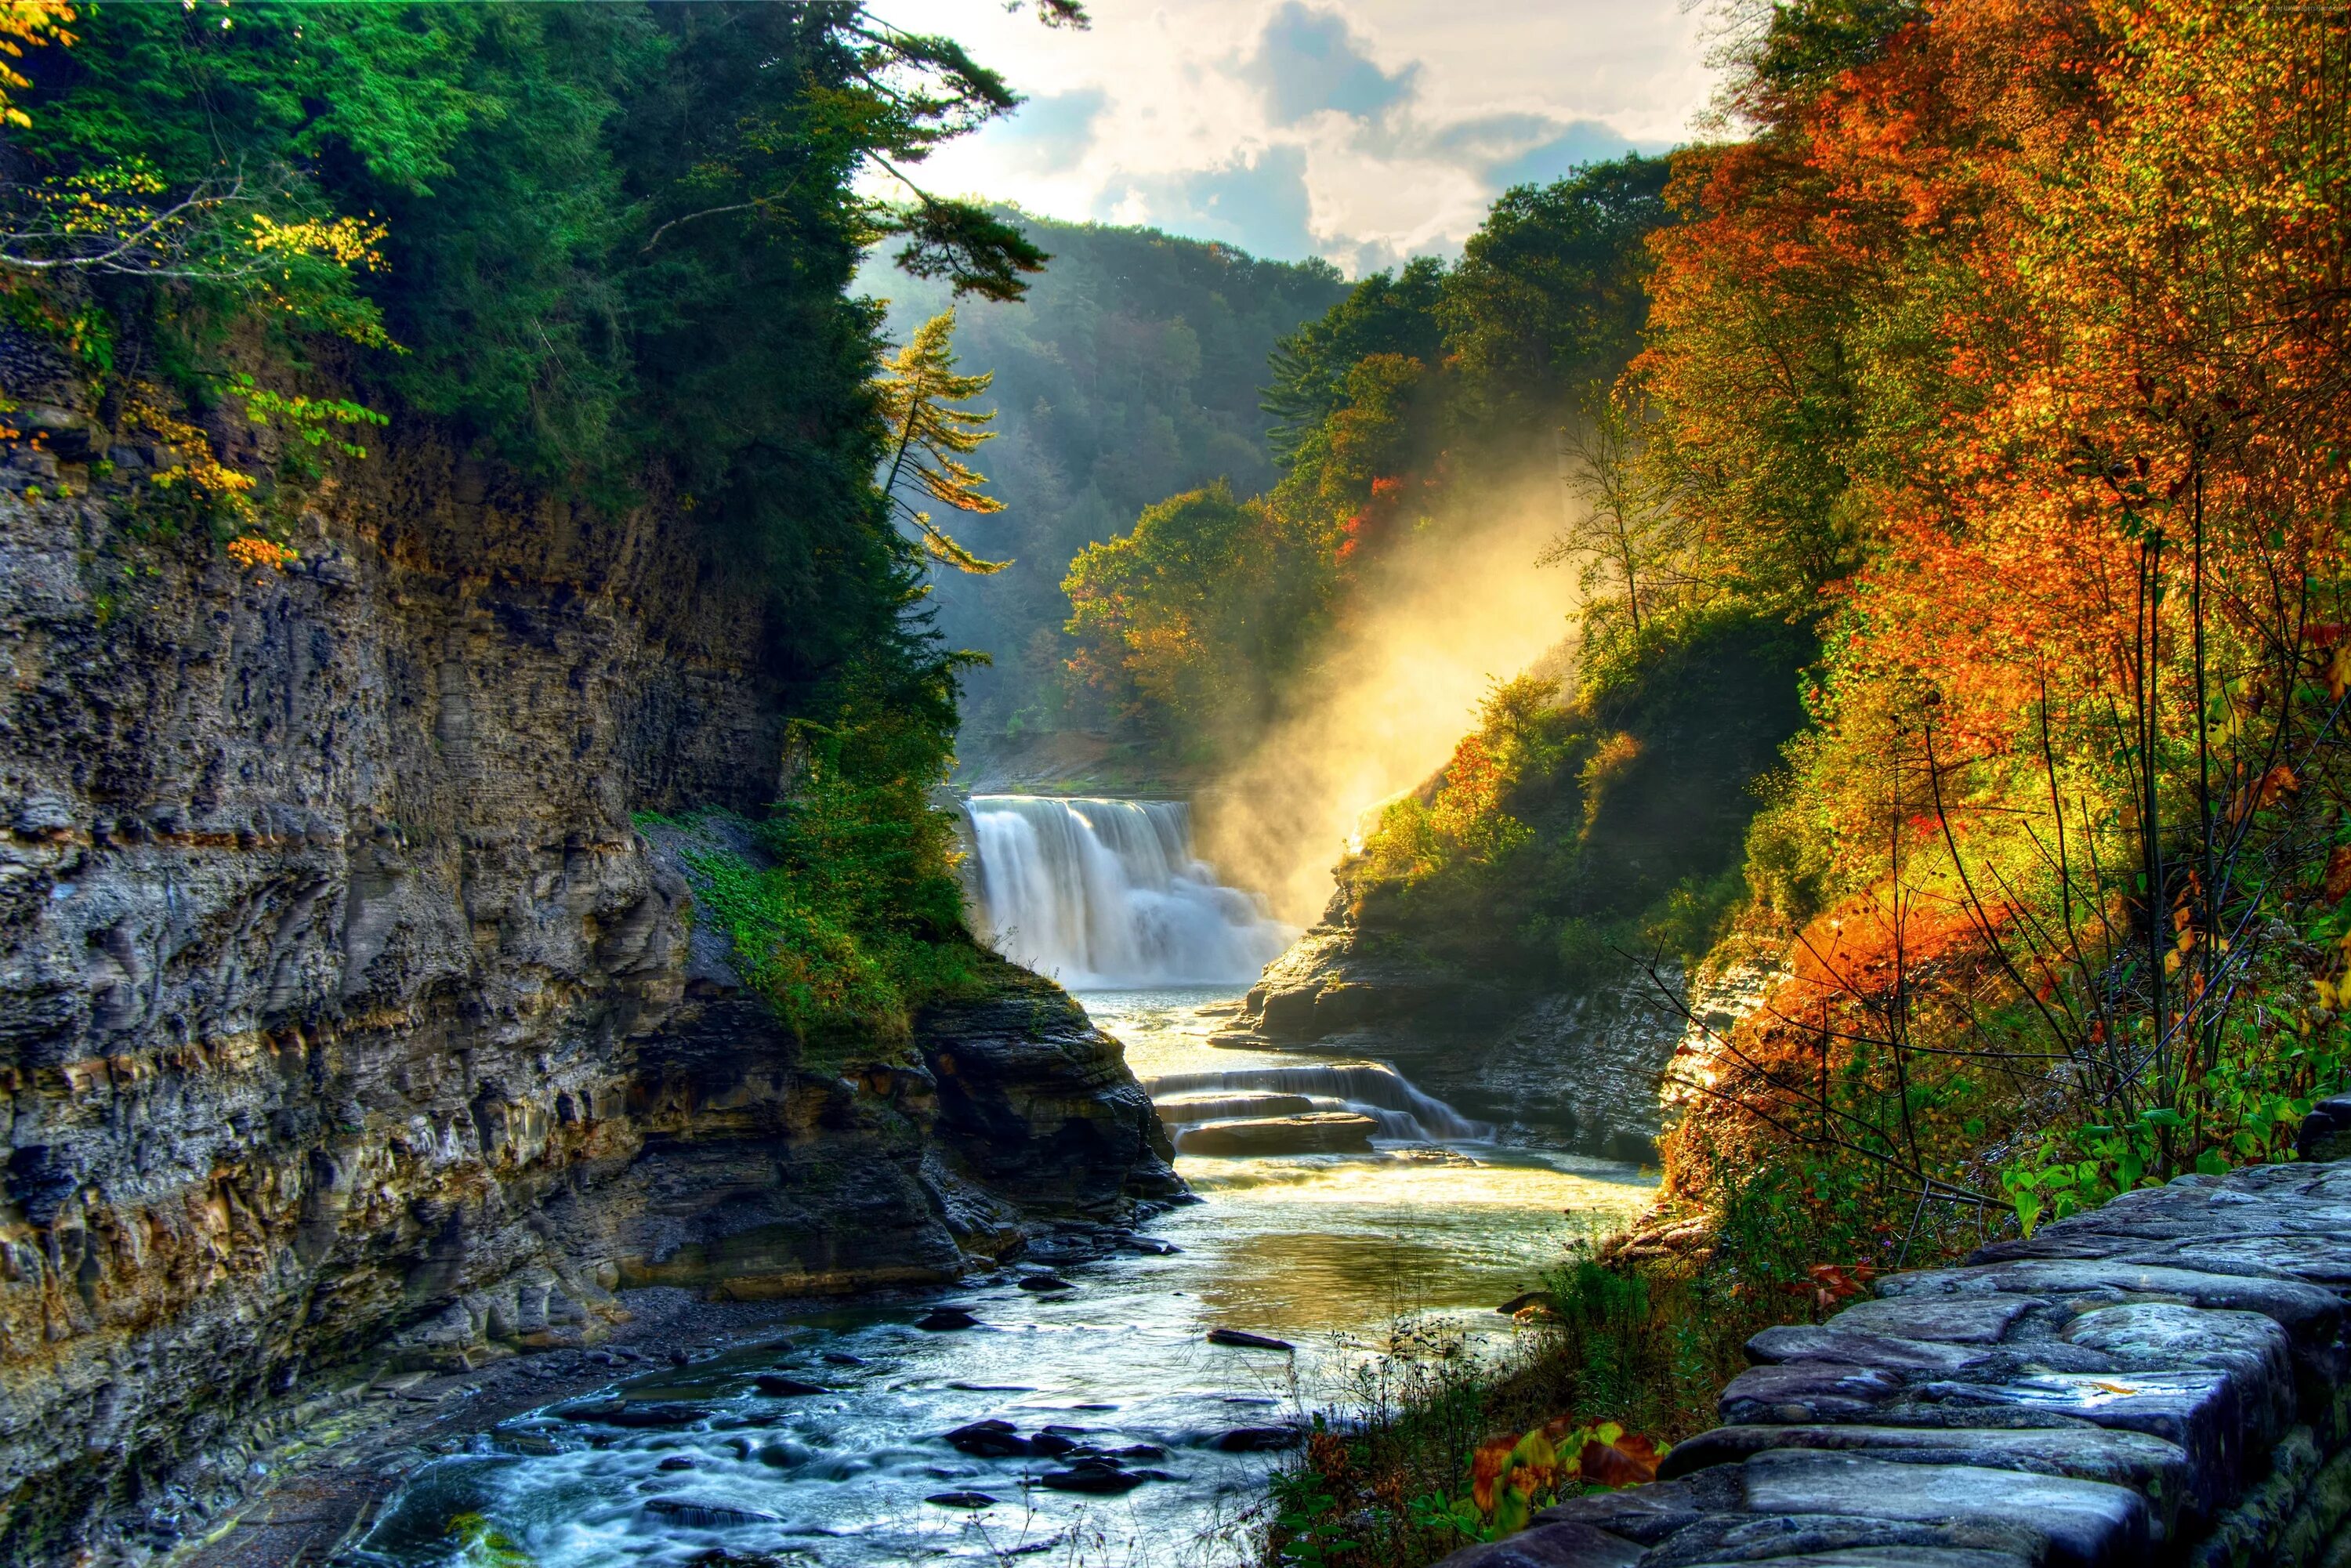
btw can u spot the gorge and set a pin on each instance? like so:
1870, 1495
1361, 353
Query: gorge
712, 858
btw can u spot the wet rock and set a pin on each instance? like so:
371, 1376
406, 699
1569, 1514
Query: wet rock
782, 1455
776, 1385
675, 1462
1241, 1339
1316, 1132
627, 1413
961, 1500
1256, 1439
947, 1320
1045, 1283
843, 1358
1149, 1246
990, 1439
698, 1513
1052, 1445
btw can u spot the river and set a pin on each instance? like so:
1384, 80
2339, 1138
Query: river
1332, 1252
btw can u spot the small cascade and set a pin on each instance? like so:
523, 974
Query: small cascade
1370, 1089
1107, 894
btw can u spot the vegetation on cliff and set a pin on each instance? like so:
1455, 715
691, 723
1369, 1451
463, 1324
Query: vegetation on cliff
608, 246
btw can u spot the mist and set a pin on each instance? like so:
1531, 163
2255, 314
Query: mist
1444, 616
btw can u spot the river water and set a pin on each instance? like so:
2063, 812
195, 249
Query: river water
1433, 1226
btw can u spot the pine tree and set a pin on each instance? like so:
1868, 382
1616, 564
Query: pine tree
931, 437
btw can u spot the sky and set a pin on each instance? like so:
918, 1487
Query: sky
1364, 131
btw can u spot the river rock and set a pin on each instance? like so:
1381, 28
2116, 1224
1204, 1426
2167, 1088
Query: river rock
1045, 1283
1241, 1339
778, 1387
1315, 1133
627, 1412
698, 1513
843, 1358
1052, 1445
990, 1439
947, 1320
961, 1500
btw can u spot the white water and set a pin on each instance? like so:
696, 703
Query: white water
1105, 893
1370, 1089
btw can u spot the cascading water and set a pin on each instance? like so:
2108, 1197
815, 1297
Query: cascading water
1370, 1089
1105, 893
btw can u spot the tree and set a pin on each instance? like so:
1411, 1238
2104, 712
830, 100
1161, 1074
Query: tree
1623, 524
930, 438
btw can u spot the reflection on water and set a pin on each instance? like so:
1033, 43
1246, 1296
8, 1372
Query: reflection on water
1323, 1251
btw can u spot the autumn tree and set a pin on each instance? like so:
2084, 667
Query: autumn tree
930, 436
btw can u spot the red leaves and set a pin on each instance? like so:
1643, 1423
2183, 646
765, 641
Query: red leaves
1833, 1283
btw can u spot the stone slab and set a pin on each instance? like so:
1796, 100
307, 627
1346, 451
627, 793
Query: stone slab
1856, 1347
2251, 1349
1806, 1390
1957, 1319
2153, 1467
2086, 1524
2300, 1307
2199, 1410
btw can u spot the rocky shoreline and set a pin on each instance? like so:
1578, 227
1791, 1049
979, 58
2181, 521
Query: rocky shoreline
2162, 1380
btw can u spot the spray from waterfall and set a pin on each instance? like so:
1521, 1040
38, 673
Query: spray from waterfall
1449, 612
1108, 894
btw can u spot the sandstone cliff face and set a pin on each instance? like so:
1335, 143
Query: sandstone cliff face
344, 1016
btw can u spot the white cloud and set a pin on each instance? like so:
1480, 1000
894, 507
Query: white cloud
1365, 130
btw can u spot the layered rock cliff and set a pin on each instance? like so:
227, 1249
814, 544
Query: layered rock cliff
346, 1018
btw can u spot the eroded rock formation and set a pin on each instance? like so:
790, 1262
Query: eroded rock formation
345, 1017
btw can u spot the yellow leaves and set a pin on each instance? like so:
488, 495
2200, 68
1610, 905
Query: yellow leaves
253, 551
2338, 671
347, 242
930, 437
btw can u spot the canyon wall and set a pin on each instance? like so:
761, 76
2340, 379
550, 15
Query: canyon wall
346, 1017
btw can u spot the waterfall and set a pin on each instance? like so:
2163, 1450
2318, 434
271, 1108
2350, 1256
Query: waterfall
1105, 893
1370, 1088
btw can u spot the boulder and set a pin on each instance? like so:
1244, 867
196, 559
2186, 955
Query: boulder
947, 1320
778, 1387
1315, 1133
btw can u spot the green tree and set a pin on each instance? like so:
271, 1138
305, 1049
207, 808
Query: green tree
1308, 371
